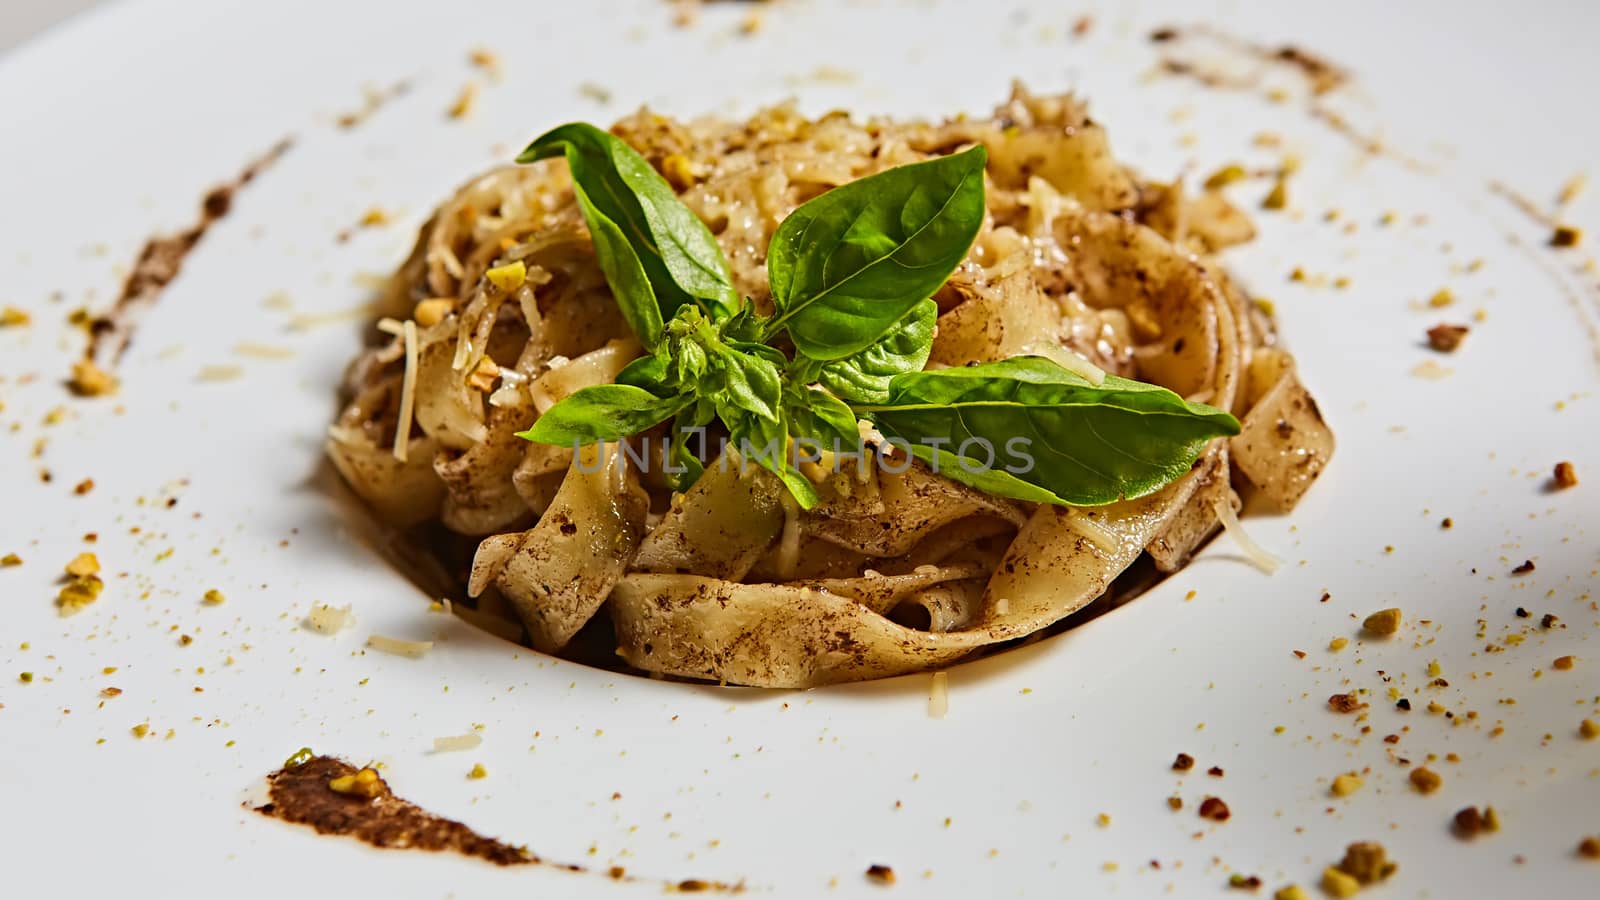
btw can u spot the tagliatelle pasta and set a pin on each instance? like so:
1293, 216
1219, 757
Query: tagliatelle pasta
898, 569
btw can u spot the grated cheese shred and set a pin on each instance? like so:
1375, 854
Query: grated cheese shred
788, 558
408, 392
1068, 359
939, 695
1258, 555
457, 742
325, 619
399, 646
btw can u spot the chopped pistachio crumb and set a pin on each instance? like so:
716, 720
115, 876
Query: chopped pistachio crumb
1290, 892
1338, 644
482, 378
78, 593
1563, 663
508, 277
1278, 197
1345, 703
89, 380
213, 597
1447, 338
1224, 176
1566, 236
11, 316
364, 783
432, 311
465, 101
26, 678
1367, 862
1565, 475
1346, 784
1469, 822
678, 171
83, 564
1442, 297
1425, 780
9, 560
1337, 884
140, 730
1589, 847
1383, 623
487, 60
478, 771
1588, 729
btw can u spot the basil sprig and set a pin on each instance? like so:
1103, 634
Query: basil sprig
851, 272
655, 252
849, 264
866, 376
1085, 445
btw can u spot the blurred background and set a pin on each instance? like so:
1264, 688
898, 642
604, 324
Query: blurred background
22, 19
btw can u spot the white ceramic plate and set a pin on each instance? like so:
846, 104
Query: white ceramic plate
116, 125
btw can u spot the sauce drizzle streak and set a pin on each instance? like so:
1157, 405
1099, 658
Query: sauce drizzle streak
300, 793
159, 263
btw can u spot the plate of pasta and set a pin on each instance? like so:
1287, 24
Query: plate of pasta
614, 449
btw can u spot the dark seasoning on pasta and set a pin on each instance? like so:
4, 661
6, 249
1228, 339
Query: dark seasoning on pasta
503, 310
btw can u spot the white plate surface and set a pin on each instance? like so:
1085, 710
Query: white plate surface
117, 124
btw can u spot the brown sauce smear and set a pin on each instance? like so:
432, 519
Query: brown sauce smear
1321, 77
1524, 204
159, 263
299, 793
373, 101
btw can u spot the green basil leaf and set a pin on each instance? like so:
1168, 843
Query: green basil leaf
804, 492
745, 325
770, 354
690, 364
745, 380
652, 372
605, 412
688, 435
675, 249
864, 377
821, 417
848, 265
765, 443
625, 272
1027, 428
